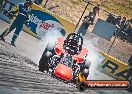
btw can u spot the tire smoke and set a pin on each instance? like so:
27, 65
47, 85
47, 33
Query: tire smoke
49, 37
94, 57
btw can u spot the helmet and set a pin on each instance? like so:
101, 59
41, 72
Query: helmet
73, 43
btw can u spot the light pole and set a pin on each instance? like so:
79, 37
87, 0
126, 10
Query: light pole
46, 3
88, 2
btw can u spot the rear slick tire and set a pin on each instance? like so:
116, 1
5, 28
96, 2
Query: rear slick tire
43, 63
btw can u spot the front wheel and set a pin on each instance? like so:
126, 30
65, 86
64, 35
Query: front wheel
45, 59
43, 63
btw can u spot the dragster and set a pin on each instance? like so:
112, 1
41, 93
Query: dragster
66, 60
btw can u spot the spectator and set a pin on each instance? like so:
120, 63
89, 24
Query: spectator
96, 10
110, 18
117, 21
129, 24
123, 24
23, 14
128, 30
88, 20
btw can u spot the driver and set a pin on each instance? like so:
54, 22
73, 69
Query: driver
72, 46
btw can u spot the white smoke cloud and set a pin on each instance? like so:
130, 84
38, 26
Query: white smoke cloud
49, 37
94, 57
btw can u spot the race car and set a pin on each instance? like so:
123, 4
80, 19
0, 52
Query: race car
66, 59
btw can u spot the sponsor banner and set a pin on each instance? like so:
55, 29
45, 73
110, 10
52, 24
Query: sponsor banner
41, 20
104, 29
113, 67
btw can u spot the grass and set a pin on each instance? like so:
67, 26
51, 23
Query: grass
75, 1
72, 9
119, 7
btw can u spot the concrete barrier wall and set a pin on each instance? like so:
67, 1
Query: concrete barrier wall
114, 67
40, 20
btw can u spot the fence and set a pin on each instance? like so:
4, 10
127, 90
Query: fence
72, 10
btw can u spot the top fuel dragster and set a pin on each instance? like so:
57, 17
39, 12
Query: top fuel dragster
66, 59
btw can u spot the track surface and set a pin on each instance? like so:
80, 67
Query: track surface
19, 71
19, 75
